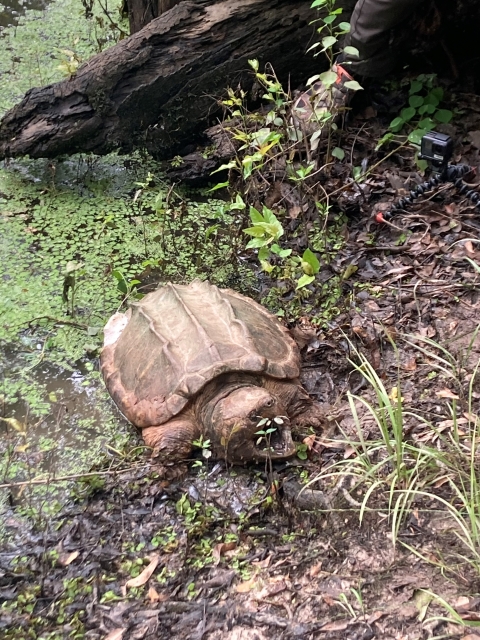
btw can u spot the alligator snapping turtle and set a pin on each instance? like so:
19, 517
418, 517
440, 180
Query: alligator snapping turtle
191, 361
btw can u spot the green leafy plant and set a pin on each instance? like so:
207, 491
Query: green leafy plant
268, 426
266, 229
421, 115
127, 287
302, 451
330, 31
70, 62
204, 445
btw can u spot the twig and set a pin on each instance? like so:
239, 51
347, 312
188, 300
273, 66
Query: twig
75, 476
68, 323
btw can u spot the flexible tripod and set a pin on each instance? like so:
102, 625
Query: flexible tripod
436, 148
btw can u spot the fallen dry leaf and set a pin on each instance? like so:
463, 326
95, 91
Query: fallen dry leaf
271, 590
447, 393
245, 587
115, 634
16, 424
376, 615
154, 596
145, 575
338, 625
410, 364
309, 441
263, 564
220, 549
64, 559
427, 332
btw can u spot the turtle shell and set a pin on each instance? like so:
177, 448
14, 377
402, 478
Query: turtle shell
163, 351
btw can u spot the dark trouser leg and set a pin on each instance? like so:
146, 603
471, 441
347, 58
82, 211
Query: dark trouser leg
371, 23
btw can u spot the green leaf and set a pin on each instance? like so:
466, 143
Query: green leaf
421, 164
351, 51
415, 86
263, 253
396, 124
117, 274
122, 286
386, 138
345, 27
415, 101
328, 42
312, 260
269, 216
329, 19
357, 173
255, 215
230, 165
443, 115
432, 99
304, 281
257, 243
313, 79
256, 232
338, 153
318, 3
415, 136
238, 204
220, 185
253, 64
438, 93
353, 85
266, 266
270, 229
426, 123
407, 113
349, 271
328, 78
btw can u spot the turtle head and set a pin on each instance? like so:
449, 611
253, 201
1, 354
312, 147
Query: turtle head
250, 424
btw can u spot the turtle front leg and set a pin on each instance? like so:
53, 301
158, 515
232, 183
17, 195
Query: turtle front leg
172, 440
301, 409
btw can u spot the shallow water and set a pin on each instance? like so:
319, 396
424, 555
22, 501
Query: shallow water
11, 10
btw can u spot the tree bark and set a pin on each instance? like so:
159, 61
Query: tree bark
157, 88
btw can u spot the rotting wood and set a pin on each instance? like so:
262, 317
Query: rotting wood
156, 88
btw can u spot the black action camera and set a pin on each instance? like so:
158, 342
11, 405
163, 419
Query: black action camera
436, 149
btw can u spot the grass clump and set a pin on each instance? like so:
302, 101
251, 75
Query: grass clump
415, 463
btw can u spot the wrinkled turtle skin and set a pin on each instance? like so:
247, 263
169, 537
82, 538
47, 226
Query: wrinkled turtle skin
191, 361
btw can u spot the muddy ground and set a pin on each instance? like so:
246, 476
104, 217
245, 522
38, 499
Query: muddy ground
227, 553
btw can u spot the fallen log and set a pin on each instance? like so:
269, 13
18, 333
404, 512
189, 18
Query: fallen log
157, 88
